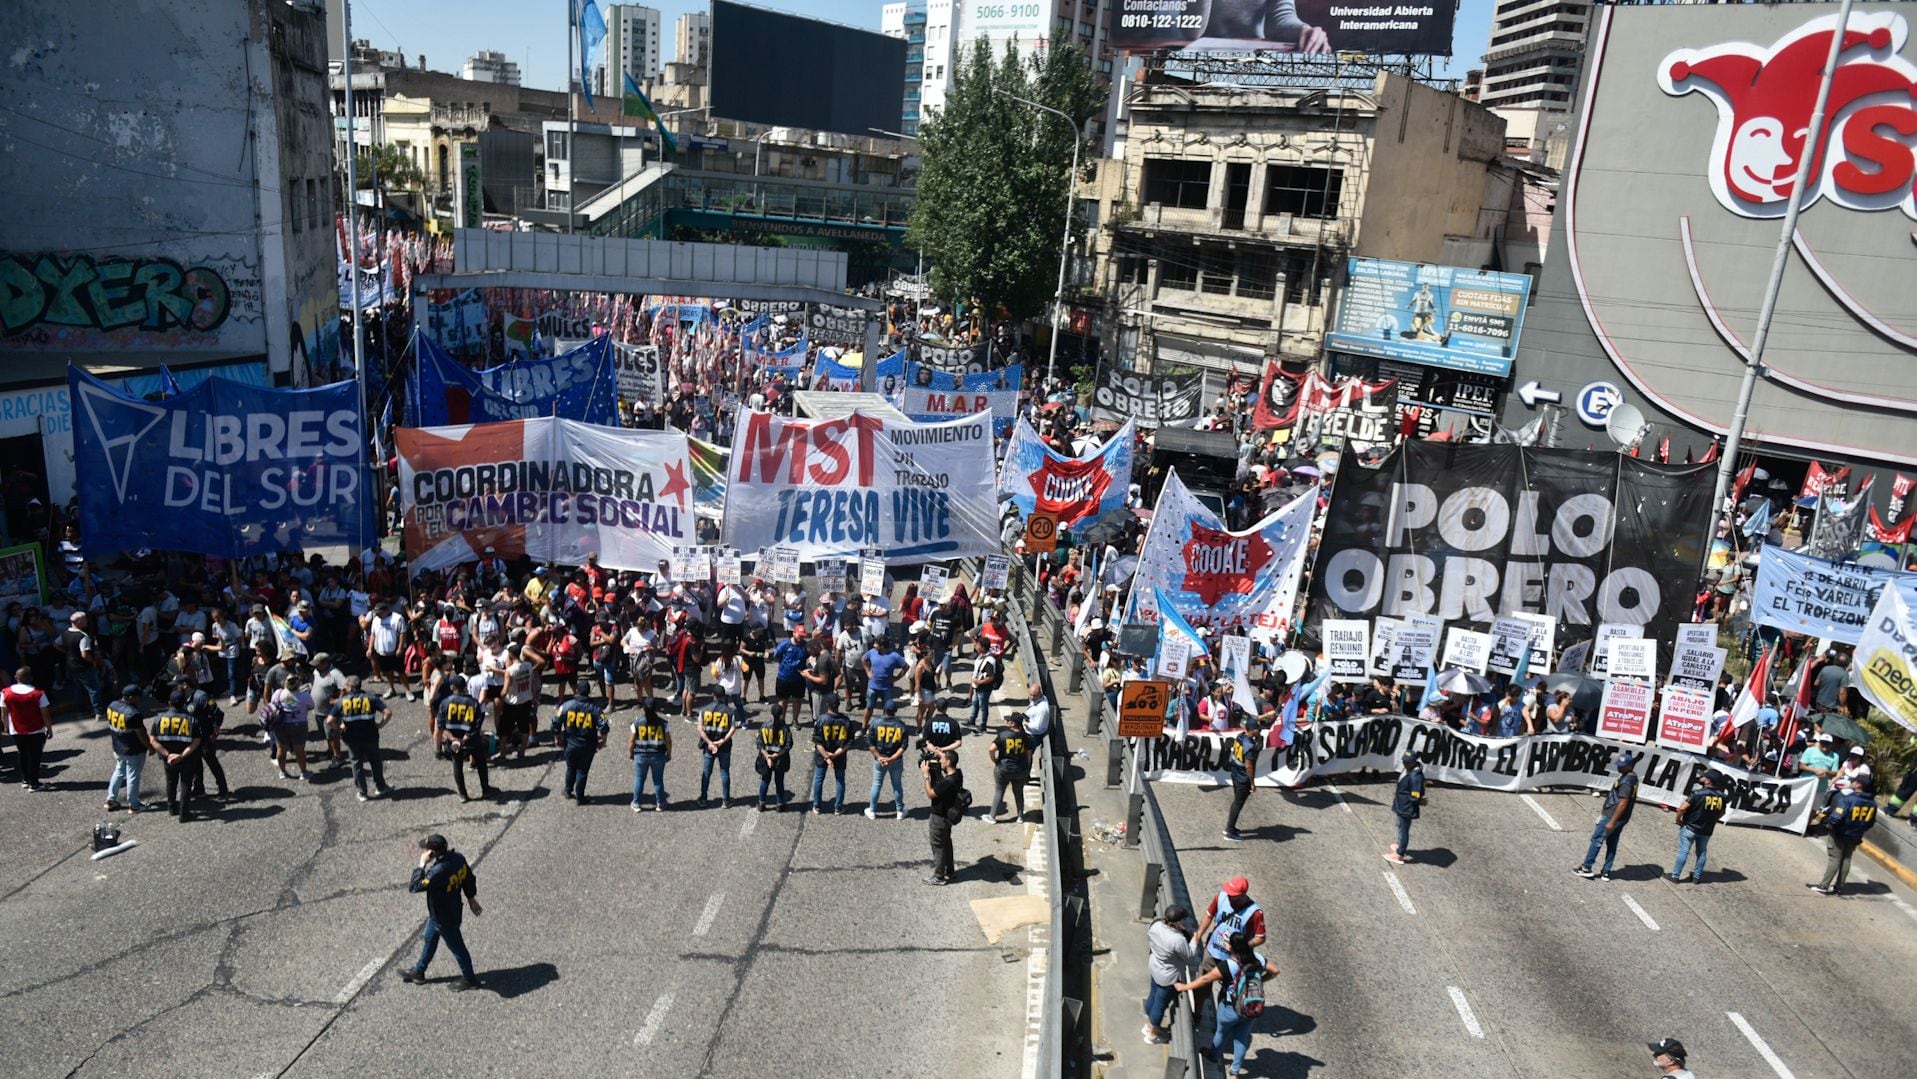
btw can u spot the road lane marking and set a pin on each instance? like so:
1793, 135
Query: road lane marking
1539, 810
654, 1018
1642, 914
1397, 889
1905, 907
1340, 795
709, 915
1763, 1050
751, 822
1464, 1011
365, 975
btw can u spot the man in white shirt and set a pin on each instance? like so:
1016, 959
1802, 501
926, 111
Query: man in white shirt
1038, 713
878, 618
385, 640
519, 711
732, 612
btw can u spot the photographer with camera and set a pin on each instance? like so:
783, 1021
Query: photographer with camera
443, 875
945, 788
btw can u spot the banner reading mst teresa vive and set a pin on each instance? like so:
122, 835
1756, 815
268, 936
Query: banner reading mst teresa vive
222, 469
919, 492
1468, 533
577, 385
1076, 490
549, 489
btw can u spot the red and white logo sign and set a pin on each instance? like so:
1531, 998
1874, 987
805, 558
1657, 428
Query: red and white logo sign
1865, 156
1070, 489
1218, 563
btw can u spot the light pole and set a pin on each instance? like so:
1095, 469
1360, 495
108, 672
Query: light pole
1064, 244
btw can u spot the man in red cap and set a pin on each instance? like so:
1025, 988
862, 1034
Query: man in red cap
1232, 910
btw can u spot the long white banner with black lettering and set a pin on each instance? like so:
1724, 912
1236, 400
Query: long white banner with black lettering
1504, 764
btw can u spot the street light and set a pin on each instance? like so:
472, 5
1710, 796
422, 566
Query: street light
1065, 244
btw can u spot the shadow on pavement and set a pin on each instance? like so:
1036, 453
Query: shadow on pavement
1441, 857
1277, 833
518, 981
1267, 1062
989, 868
254, 794
1280, 1021
239, 813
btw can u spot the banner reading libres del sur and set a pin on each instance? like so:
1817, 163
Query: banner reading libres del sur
549, 489
919, 492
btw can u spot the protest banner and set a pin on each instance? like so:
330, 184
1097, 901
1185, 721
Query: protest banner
780, 564
1801, 594
1347, 643
932, 584
1151, 400
839, 325
931, 394
1076, 490
1384, 647
1142, 705
872, 576
1634, 658
1174, 654
1600, 655
1698, 633
1512, 634
551, 490
638, 374
1224, 579
729, 568
224, 469
576, 385
1625, 712
1471, 533
691, 564
1538, 762
918, 492
1696, 666
1572, 659
1886, 657
1234, 656
960, 358
1466, 650
997, 568
1139, 641
1684, 719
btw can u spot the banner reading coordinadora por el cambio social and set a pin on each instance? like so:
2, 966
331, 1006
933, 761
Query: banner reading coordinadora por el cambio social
1075, 490
576, 385
222, 469
919, 492
1505, 764
549, 489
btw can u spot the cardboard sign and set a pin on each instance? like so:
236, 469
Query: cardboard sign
1607, 632
1698, 633
1041, 533
729, 568
1696, 666
1142, 706
932, 583
1625, 713
780, 564
1174, 654
1634, 658
1508, 632
1684, 722
1466, 650
871, 576
1138, 640
690, 564
1347, 644
997, 568
1417, 647
1384, 646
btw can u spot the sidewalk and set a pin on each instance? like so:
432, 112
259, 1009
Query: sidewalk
1893, 843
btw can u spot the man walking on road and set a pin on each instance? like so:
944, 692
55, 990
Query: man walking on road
460, 735
1696, 819
945, 787
443, 875
1407, 803
1618, 802
1852, 816
1241, 757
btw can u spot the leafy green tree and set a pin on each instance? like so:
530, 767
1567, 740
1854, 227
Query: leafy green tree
990, 204
392, 166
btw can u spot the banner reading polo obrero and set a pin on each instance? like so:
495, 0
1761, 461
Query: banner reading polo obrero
575, 385
1220, 578
1152, 400
221, 469
549, 489
919, 492
1075, 490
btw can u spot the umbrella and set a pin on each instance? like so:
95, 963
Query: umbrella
1808, 502
1839, 725
1456, 681
1308, 471
1585, 692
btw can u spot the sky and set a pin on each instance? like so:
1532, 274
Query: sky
448, 34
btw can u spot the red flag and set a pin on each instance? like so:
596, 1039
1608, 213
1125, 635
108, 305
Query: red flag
1882, 534
1756, 690
1279, 397
1799, 707
1744, 476
1664, 450
1900, 490
1709, 454
1820, 479
1408, 424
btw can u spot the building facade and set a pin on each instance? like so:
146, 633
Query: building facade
692, 38
199, 236
632, 48
489, 66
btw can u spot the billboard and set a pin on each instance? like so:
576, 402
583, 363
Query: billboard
1692, 121
1306, 26
1445, 316
833, 78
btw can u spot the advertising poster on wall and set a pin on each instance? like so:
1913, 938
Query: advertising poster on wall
1445, 316
1306, 26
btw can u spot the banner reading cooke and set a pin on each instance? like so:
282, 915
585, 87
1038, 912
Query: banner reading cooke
1469, 533
1075, 490
919, 492
549, 489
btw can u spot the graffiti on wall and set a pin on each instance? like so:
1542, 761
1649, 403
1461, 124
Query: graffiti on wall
54, 298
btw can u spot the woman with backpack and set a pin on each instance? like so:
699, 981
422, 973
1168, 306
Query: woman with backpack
1243, 975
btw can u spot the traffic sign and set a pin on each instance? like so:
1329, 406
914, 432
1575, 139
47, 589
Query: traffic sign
1595, 402
1533, 395
1041, 533
1141, 708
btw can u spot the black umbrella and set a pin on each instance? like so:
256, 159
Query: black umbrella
1586, 692
1839, 725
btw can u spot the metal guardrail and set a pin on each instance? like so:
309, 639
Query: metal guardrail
1144, 823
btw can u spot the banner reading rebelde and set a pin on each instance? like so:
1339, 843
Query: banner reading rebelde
548, 489
1075, 490
919, 492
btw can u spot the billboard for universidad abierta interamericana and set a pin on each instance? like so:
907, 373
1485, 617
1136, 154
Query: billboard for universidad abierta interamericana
1445, 316
1307, 26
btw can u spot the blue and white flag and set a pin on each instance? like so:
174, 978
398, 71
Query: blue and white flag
933, 394
222, 469
1221, 578
592, 30
1075, 490
577, 385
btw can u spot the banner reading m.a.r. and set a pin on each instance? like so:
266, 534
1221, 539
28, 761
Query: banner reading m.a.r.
221, 469
1469, 533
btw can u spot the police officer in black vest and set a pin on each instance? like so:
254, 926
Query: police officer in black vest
1011, 754
357, 718
461, 736
942, 732
203, 709
582, 728
650, 748
126, 727
831, 742
1696, 819
1852, 816
178, 737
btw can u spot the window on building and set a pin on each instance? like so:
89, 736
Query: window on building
1257, 275
556, 145
1177, 183
296, 205
313, 203
1303, 190
1133, 270
1301, 285
1179, 270
1216, 265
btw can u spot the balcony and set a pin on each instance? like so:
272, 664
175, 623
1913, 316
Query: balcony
455, 116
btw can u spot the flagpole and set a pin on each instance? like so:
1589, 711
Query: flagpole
352, 256
572, 119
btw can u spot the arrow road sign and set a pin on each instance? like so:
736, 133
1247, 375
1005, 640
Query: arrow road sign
1533, 395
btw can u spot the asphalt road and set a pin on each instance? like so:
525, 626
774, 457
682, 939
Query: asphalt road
266, 938
1488, 956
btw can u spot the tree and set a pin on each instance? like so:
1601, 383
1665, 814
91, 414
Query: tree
391, 166
990, 204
